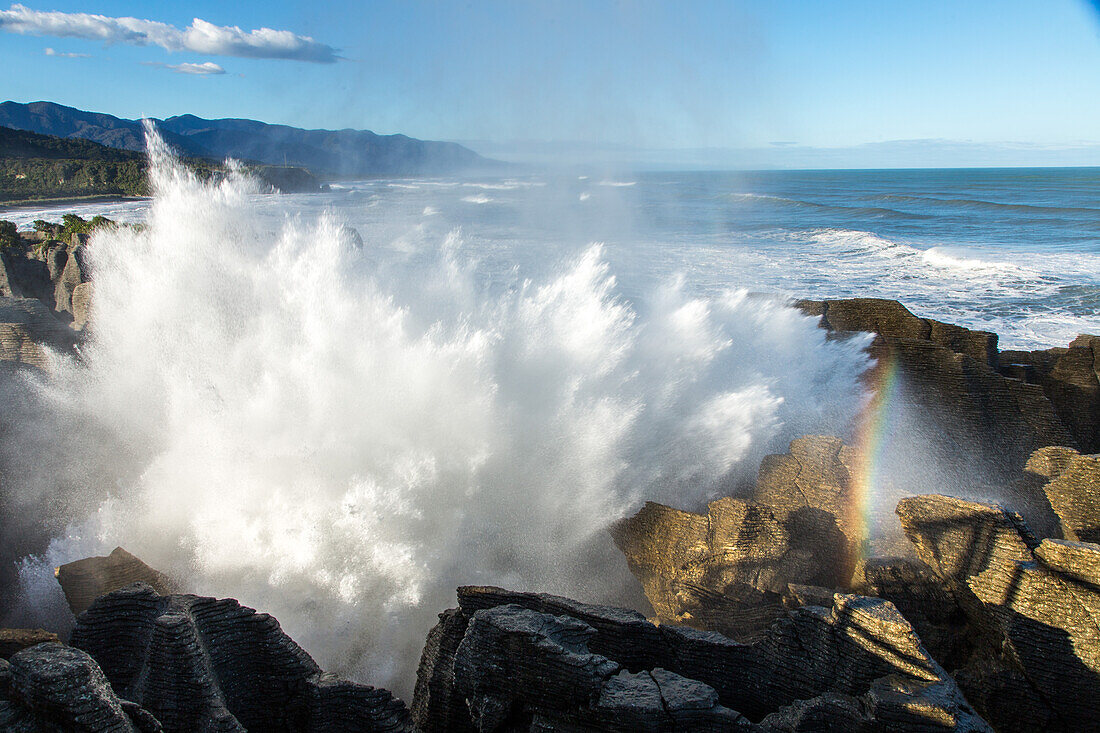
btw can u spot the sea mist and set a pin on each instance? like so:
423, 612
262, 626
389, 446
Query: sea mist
272, 416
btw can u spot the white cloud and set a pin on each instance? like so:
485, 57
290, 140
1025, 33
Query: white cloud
64, 55
200, 37
207, 68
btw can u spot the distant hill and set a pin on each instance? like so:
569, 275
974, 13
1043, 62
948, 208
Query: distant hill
328, 153
34, 166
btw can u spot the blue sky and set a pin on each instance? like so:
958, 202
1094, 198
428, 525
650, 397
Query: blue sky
786, 76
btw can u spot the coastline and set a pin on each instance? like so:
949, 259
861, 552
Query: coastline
99, 199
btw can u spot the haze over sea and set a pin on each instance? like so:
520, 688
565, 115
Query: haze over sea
1011, 250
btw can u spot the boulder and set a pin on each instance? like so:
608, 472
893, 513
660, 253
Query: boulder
523, 661
925, 600
27, 330
207, 664
15, 640
1037, 602
85, 580
50, 687
1073, 490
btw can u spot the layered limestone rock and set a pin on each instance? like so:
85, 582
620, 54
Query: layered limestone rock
982, 421
1073, 490
1038, 601
82, 305
85, 580
1070, 379
50, 687
728, 569
75, 273
16, 640
27, 330
522, 661
206, 664
927, 601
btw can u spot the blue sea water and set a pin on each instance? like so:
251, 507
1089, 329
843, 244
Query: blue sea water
1015, 251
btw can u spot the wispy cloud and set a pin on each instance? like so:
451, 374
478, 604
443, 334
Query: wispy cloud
65, 55
207, 68
199, 37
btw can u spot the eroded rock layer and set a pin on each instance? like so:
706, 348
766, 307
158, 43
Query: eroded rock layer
728, 569
207, 664
984, 420
1038, 600
521, 661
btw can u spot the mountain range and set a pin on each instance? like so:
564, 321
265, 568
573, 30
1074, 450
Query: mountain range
328, 153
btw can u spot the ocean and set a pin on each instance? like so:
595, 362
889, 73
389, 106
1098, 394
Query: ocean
1012, 250
340, 427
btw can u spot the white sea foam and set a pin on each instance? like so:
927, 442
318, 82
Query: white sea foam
286, 419
478, 199
618, 184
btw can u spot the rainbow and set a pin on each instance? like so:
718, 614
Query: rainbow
874, 431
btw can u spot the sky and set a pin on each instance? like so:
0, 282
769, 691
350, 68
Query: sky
786, 82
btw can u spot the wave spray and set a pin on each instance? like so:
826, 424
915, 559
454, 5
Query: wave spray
270, 413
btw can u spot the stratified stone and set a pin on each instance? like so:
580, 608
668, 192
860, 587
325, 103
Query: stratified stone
206, 664
85, 580
520, 667
16, 640
1073, 490
1070, 379
27, 330
82, 305
725, 570
981, 421
51, 687
891, 319
1039, 600
925, 600
75, 273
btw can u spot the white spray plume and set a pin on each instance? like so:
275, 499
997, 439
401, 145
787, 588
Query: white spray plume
273, 424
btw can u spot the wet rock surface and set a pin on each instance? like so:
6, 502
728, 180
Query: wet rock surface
523, 661
1037, 601
51, 687
85, 580
198, 663
727, 570
987, 419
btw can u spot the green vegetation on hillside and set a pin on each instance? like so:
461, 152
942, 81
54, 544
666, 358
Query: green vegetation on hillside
34, 166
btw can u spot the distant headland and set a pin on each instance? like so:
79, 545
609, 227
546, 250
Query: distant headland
49, 151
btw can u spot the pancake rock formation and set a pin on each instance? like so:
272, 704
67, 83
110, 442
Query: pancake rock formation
1037, 604
728, 569
85, 580
198, 663
515, 661
988, 415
